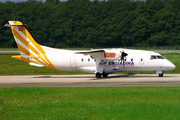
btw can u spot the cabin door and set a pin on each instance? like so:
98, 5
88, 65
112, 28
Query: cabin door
72, 62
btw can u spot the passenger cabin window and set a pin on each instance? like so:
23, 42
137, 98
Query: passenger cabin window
88, 59
82, 59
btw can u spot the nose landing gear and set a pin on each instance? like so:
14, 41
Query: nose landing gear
160, 75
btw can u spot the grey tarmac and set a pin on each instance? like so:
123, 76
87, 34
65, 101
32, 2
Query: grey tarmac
88, 80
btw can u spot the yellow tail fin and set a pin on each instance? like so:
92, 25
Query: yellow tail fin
30, 50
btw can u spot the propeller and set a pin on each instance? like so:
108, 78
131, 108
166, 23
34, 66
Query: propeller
123, 55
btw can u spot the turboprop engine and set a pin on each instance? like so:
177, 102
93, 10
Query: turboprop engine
106, 54
114, 55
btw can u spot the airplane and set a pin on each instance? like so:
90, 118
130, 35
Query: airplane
101, 62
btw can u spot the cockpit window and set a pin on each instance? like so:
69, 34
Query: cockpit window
156, 57
160, 57
153, 57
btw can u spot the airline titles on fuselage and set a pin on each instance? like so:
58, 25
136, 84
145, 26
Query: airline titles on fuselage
116, 63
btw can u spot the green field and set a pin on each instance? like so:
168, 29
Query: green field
9, 49
11, 66
90, 103
85, 103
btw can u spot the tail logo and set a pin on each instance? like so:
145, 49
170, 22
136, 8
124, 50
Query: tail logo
20, 29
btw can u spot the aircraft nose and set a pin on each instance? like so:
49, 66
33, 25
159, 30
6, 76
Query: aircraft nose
171, 66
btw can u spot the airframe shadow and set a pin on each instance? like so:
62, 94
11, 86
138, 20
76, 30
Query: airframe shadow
102, 78
129, 76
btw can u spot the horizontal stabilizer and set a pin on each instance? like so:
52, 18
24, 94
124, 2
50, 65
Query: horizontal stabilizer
34, 64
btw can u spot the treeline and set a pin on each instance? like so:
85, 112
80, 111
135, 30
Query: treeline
85, 23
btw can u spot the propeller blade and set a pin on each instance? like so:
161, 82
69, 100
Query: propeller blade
123, 54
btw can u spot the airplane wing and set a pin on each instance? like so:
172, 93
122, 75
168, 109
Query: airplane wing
95, 54
103, 54
91, 51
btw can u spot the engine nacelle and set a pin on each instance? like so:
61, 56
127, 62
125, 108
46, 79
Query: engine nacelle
112, 55
105, 54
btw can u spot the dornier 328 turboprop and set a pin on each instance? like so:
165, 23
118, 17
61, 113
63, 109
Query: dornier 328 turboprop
102, 62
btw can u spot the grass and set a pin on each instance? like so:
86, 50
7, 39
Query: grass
9, 49
104, 103
85, 103
174, 58
10, 66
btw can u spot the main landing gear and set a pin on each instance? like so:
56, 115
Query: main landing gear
98, 75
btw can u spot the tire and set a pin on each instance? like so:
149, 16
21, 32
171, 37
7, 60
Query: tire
98, 75
105, 75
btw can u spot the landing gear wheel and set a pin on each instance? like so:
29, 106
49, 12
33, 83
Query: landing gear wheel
160, 75
98, 75
105, 75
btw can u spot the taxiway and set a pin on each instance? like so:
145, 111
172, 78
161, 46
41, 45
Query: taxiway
89, 80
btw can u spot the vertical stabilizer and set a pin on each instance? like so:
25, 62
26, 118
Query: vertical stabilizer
29, 49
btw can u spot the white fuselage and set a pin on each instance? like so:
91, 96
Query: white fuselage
137, 60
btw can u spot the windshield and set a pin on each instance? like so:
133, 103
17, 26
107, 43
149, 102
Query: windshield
153, 57
160, 57
156, 57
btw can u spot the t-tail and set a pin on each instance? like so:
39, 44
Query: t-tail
30, 50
